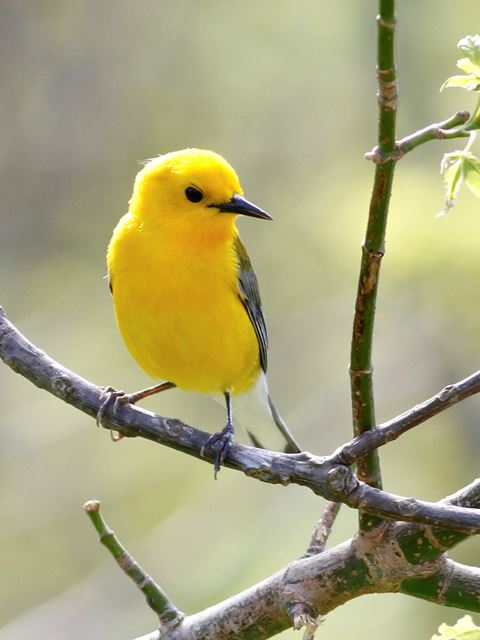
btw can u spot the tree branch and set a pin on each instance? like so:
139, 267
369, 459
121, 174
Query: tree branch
447, 130
425, 544
374, 561
361, 368
323, 528
169, 616
317, 584
420, 413
325, 476
262, 610
455, 585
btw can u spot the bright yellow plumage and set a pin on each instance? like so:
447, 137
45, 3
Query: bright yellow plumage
185, 295
174, 275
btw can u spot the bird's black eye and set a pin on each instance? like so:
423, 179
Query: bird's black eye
194, 195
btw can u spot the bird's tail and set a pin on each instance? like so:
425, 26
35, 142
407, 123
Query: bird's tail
258, 415
292, 446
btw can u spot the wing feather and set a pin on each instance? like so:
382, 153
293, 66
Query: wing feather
249, 294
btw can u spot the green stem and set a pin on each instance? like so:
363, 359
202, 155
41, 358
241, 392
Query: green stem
446, 130
157, 600
472, 137
474, 122
361, 369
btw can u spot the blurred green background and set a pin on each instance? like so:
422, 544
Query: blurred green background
286, 91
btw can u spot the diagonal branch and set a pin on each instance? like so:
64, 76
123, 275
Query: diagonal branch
455, 585
426, 544
420, 413
327, 476
446, 130
261, 615
323, 528
369, 563
319, 584
168, 615
261, 611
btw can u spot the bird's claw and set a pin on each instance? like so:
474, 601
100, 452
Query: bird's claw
108, 397
221, 442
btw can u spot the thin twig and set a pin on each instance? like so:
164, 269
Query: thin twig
323, 528
394, 428
447, 130
156, 598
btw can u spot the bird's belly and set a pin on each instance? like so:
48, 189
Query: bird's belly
195, 334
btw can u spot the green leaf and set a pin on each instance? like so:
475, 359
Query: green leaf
470, 82
465, 64
470, 45
471, 173
451, 170
464, 629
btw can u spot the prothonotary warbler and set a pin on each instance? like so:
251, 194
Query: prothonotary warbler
185, 294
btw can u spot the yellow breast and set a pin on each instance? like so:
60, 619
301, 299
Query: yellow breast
177, 306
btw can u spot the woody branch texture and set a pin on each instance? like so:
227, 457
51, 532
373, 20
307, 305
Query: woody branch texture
392, 557
327, 476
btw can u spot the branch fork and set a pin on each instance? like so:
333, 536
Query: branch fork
327, 476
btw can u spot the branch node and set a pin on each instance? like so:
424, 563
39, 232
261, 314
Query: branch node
311, 625
358, 373
341, 481
445, 584
448, 393
375, 255
387, 94
386, 25
379, 158
63, 386
302, 615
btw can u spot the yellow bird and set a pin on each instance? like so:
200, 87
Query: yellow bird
185, 294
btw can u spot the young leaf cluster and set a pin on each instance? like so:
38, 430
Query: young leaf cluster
464, 629
462, 166
470, 65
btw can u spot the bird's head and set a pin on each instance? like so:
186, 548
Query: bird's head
190, 188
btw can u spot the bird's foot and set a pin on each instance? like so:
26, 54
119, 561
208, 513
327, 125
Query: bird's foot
221, 442
109, 397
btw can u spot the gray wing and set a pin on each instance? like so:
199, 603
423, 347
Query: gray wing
250, 296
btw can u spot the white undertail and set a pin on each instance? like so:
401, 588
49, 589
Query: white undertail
257, 414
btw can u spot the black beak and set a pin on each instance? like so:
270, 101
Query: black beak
239, 205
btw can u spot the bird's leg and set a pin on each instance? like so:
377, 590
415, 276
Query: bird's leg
110, 395
222, 440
